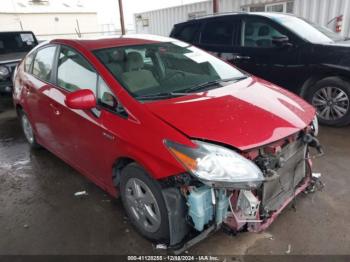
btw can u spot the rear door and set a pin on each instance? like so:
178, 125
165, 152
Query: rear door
36, 84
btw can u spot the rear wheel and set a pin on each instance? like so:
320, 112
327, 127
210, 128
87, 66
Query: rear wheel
144, 203
28, 131
331, 98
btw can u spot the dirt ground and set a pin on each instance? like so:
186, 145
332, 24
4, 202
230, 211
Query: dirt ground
39, 213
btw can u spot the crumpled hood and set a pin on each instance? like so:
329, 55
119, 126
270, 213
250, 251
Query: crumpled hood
245, 115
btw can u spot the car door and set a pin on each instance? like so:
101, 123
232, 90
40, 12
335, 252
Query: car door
218, 36
80, 133
259, 54
36, 84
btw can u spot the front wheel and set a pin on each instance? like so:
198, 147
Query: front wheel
331, 98
144, 203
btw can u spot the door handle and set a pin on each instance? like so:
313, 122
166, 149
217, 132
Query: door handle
55, 110
241, 57
108, 135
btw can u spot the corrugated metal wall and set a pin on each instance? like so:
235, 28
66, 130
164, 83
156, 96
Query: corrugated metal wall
323, 11
161, 21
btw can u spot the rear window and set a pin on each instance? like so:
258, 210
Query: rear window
16, 42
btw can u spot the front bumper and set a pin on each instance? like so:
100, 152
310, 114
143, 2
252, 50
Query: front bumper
234, 210
235, 223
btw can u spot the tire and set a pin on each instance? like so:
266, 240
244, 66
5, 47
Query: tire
28, 131
144, 204
331, 98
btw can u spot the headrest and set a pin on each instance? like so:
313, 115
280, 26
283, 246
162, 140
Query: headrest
117, 56
134, 61
264, 30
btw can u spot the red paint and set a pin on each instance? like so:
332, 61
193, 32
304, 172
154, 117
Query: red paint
81, 99
244, 115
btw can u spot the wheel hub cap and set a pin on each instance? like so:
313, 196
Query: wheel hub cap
143, 205
331, 103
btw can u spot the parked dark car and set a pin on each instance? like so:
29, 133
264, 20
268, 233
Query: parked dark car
308, 59
13, 47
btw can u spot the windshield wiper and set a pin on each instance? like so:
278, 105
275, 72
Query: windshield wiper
212, 83
160, 95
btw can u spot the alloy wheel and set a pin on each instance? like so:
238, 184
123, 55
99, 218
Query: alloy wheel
332, 103
27, 129
143, 205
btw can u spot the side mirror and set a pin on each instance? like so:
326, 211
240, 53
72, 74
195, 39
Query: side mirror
81, 99
281, 41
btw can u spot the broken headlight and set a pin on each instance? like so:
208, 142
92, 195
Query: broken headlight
217, 166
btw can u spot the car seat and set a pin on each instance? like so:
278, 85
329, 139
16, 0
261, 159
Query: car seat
135, 76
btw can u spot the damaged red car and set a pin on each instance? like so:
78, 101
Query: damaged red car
189, 142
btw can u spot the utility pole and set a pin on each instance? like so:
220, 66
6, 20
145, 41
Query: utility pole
121, 14
215, 6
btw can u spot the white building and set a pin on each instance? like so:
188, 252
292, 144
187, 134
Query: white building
49, 18
323, 12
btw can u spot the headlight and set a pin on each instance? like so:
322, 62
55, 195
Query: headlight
314, 125
4, 72
217, 166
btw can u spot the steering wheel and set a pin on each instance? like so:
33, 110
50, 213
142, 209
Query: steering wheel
175, 74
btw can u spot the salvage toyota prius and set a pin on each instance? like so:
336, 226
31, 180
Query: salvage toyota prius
190, 143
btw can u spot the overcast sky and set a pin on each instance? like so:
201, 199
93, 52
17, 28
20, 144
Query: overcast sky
108, 12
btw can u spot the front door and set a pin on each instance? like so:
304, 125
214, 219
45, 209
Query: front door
259, 54
81, 133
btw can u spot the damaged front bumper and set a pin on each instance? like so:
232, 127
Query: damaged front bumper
200, 209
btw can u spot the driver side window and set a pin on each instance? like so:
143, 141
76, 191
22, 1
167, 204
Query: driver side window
74, 72
258, 33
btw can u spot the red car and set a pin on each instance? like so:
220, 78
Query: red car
189, 142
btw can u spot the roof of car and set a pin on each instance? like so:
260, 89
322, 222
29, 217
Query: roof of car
115, 41
213, 16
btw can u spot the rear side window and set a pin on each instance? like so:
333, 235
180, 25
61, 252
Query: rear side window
74, 71
43, 63
218, 32
186, 33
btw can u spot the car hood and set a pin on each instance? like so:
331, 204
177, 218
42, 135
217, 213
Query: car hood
245, 115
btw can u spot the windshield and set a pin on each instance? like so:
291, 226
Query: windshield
309, 31
165, 68
16, 42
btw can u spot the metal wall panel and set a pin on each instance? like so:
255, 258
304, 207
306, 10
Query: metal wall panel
318, 11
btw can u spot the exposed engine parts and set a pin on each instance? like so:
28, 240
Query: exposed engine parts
198, 209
